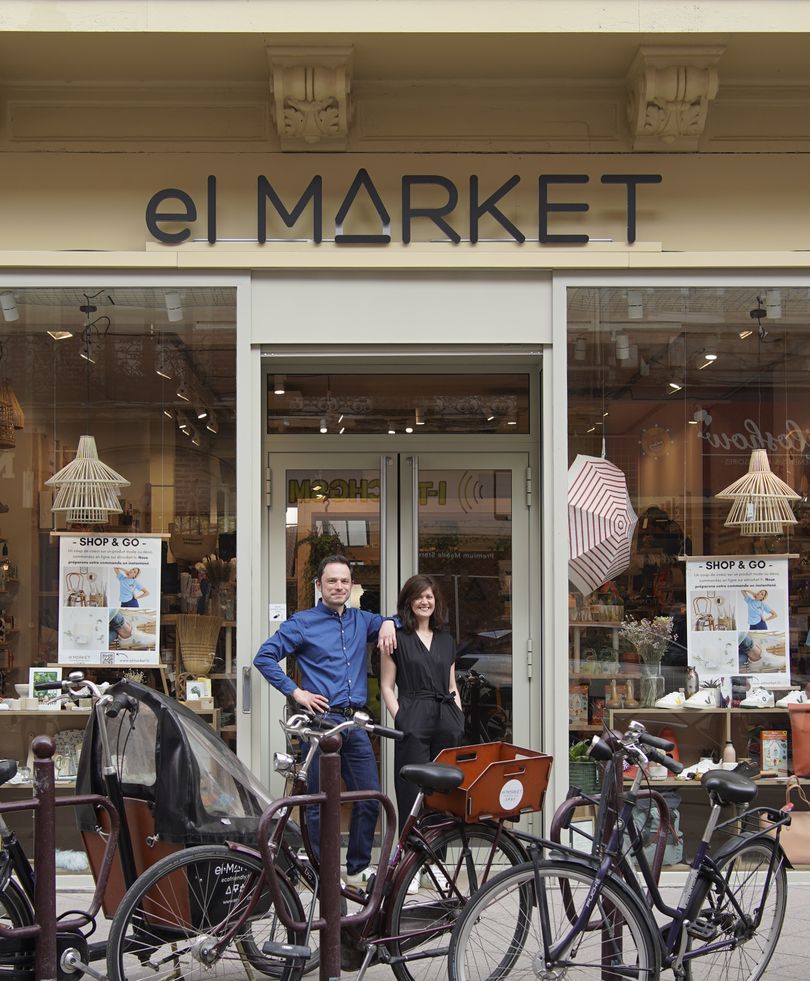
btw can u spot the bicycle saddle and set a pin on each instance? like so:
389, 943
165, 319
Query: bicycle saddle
730, 787
432, 777
7, 770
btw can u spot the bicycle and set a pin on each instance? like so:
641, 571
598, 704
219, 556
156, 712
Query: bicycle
183, 917
566, 914
21, 923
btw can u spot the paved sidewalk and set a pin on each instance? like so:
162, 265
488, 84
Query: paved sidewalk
789, 963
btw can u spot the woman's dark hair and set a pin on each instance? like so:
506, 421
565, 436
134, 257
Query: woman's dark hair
414, 588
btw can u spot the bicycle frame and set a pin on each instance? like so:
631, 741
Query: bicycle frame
670, 937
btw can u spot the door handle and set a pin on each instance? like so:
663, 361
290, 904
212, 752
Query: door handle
385, 462
414, 461
247, 692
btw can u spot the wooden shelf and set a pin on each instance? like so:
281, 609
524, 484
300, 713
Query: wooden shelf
595, 623
582, 728
605, 677
64, 713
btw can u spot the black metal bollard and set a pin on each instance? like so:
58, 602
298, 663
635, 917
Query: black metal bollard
45, 857
330, 857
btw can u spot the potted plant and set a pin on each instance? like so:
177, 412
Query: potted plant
583, 772
608, 660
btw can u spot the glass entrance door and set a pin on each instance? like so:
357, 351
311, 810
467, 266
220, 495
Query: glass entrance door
460, 517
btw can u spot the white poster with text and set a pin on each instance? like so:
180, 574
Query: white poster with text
109, 599
737, 621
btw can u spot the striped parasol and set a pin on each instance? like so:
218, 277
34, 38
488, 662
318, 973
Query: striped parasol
601, 522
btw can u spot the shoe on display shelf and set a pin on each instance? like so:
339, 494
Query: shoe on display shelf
674, 700
698, 769
706, 698
757, 698
793, 698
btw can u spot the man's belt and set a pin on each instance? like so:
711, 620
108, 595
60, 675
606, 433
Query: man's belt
347, 711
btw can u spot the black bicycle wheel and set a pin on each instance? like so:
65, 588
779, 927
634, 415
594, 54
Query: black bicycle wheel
751, 946
176, 910
15, 911
428, 900
506, 929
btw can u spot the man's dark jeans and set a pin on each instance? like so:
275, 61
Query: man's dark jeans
359, 770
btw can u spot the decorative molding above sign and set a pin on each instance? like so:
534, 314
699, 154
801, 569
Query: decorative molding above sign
311, 90
669, 91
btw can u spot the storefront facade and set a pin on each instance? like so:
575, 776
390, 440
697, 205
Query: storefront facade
448, 256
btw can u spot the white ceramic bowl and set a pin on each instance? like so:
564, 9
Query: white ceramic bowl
22, 690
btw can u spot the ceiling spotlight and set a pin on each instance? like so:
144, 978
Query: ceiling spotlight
773, 303
60, 335
182, 393
710, 357
86, 352
195, 437
162, 367
580, 349
674, 387
635, 306
409, 429
489, 415
168, 413
745, 333
342, 430
174, 308
418, 417
202, 412
622, 347
391, 430
9, 306
212, 425
278, 385
511, 422
323, 427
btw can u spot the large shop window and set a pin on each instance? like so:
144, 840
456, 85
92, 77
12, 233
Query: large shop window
677, 388
150, 375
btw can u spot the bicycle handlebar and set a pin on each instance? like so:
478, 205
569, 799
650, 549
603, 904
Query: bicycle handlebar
656, 742
315, 727
610, 744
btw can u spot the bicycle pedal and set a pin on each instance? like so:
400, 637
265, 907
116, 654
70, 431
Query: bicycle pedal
703, 930
288, 952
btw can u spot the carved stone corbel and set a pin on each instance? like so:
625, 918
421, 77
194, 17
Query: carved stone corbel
311, 95
669, 91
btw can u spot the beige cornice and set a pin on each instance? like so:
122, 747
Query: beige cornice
669, 91
311, 95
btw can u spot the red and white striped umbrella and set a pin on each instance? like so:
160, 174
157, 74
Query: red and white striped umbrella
601, 522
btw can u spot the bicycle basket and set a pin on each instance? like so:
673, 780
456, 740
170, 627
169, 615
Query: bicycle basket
500, 781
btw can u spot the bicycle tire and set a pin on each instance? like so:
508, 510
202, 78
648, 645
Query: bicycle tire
500, 934
743, 872
16, 955
196, 894
466, 852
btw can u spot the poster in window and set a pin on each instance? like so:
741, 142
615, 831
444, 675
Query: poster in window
109, 599
737, 618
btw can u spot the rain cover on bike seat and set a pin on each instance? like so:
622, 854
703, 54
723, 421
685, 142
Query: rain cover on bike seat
199, 790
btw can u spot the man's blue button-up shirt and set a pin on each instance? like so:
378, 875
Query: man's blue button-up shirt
330, 649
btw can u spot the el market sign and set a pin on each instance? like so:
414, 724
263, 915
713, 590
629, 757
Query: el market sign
171, 207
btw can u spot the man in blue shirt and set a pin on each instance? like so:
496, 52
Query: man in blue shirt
329, 643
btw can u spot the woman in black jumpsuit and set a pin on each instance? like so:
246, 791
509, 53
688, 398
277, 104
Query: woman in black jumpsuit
426, 705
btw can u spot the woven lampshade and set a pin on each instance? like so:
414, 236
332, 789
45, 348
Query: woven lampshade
761, 501
7, 395
88, 489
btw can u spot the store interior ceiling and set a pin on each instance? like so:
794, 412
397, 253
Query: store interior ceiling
707, 345
130, 336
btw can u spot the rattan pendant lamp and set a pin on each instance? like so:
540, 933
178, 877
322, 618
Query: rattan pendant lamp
761, 500
88, 490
